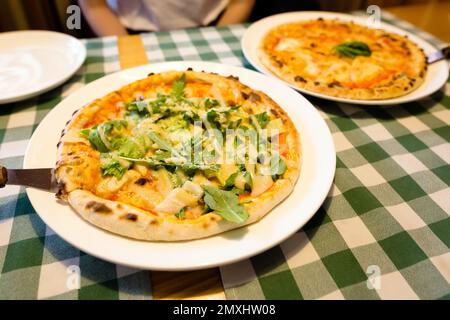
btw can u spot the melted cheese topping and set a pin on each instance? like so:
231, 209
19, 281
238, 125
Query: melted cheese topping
306, 49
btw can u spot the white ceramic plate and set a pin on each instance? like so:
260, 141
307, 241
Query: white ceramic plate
436, 76
32, 62
318, 166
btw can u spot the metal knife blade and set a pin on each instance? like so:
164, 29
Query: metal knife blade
439, 55
42, 178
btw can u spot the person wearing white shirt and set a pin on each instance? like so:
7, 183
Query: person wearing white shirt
118, 17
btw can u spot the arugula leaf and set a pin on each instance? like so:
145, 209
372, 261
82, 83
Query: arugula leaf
117, 142
180, 214
352, 49
229, 183
225, 203
138, 107
187, 167
235, 124
211, 103
85, 132
96, 141
178, 87
262, 118
114, 124
111, 166
213, 118
131, 149
277, 165
163, 144
248, 180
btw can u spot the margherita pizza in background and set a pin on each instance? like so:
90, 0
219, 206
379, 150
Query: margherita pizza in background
343, 59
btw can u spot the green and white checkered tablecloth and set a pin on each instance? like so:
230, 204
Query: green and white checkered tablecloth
388, 210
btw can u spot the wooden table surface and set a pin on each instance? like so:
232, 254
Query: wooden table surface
433, 17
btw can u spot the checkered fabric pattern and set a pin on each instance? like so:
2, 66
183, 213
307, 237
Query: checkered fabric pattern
388, 208
383, 231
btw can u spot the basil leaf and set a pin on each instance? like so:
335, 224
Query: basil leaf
352, 49
225, 204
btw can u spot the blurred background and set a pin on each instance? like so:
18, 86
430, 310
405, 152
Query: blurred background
51, 14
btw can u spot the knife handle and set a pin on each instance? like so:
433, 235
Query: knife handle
3, 176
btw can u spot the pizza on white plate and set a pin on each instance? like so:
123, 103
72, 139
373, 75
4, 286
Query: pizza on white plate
178, 156
343, 59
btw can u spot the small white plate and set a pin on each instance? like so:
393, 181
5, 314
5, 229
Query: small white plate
318, 166
436, 76
33, 62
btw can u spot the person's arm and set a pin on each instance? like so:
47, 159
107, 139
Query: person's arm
237, 11
103, 21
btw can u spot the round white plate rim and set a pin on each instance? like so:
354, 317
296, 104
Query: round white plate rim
322, 183
249, 46
55, 82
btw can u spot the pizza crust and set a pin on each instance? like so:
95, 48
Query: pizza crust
131, 222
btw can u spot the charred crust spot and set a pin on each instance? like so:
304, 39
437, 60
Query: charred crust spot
279, 63
405, 88
316, 83
231, 77
333, 84
58, 144
141, 181
299, 79
244, 95
253, 97
213, 218
98, 207
61, 193
150, 74
189, 69
130, 217
275, 112
320, 19
313, 45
